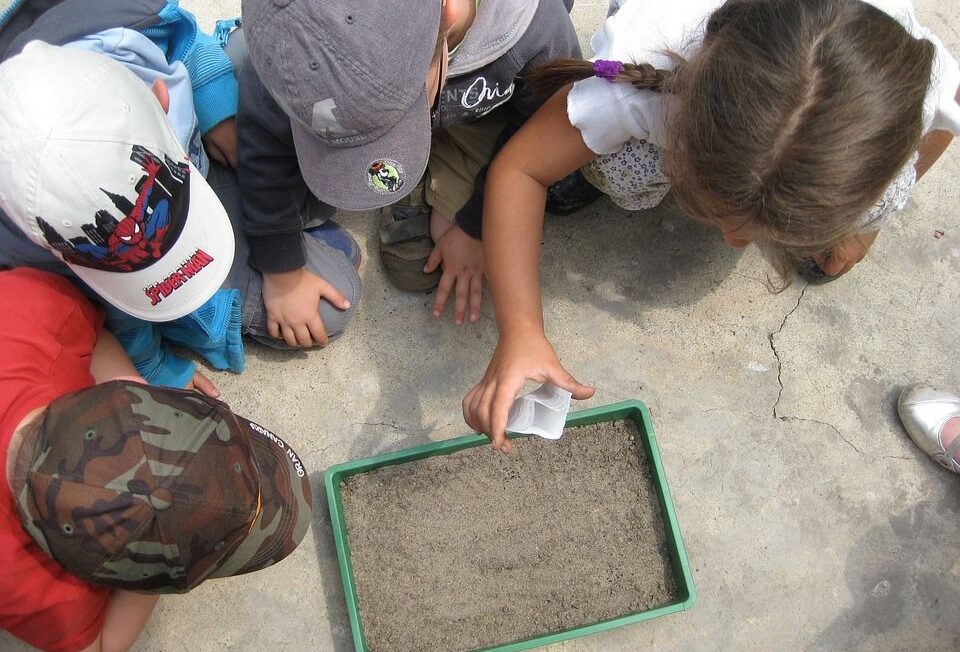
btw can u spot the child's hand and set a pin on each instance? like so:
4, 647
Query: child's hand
292, 301
486, 406
202, 384
845, 255
462, 260
221, 143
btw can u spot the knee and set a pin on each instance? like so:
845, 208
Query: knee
333, 265
236, 49
336, 321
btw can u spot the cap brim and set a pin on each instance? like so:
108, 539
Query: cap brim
340, 176
286, 505
189, 273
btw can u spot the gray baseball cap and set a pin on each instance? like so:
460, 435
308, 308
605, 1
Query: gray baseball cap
351, 74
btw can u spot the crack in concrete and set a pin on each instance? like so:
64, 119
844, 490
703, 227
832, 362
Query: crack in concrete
776, 404
824, 423
380, 424
776, 354
398, 428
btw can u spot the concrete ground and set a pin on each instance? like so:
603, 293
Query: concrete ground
810, 519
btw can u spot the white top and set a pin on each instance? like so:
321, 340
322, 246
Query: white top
610, 114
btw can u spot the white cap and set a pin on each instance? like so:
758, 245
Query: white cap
90, 169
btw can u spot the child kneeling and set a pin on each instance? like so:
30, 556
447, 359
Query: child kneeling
113, 490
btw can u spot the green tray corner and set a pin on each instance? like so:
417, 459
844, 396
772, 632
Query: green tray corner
634, 410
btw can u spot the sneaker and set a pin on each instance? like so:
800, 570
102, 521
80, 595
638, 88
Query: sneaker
335, 236
405, 243
570, 194
924, 412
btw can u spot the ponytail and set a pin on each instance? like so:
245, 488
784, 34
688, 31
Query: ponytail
553, 75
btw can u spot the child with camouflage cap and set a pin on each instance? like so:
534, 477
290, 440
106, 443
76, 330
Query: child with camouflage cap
113, 490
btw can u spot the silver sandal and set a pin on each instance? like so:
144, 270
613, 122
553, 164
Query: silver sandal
924, 411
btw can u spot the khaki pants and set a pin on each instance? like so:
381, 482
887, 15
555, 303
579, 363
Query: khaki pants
457, 154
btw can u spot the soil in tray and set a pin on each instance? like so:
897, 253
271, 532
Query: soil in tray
474, 549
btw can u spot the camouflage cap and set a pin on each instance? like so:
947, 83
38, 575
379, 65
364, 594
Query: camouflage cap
156, 489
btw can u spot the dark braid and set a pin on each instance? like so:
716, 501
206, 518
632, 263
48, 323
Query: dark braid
644, 75
550, 77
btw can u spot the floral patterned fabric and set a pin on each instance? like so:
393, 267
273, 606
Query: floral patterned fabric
634, 179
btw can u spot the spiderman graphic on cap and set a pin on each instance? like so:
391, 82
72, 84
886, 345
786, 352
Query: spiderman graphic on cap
148, 226
134, 238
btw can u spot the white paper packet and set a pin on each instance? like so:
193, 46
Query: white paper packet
542, 412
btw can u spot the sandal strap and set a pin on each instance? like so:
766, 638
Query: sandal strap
946, 462
410, 228
952, 450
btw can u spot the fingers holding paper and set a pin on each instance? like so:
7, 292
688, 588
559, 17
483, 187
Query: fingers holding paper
487, 407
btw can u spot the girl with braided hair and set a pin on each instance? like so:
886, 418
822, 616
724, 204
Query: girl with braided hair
800, 124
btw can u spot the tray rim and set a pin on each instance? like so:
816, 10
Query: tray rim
632, 409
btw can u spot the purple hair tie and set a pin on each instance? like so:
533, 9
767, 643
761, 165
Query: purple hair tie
606, 69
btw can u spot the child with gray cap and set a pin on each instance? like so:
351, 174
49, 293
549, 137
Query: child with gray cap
113, 491
354, 103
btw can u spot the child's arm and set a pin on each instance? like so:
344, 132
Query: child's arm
212, 79
127, 614
272, 191
154, 360
546, 149
221, 143
932, 147
211, 73
459, 250
109, 361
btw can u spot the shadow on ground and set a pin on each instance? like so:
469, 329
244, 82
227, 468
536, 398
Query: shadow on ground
903, 582
623, 263
599, 259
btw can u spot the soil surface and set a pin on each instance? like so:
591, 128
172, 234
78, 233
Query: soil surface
478, 548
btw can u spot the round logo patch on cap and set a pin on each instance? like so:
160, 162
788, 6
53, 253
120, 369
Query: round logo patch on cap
385, 176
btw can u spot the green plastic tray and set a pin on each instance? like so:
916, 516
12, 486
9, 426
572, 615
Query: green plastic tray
633, 410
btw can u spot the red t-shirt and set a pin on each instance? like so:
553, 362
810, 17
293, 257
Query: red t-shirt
47, 333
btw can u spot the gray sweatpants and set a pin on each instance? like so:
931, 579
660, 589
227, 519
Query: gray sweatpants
329, 263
